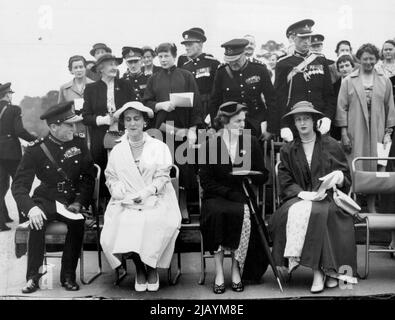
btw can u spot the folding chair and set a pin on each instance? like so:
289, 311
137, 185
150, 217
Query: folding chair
374, 183
192, 225
56, 232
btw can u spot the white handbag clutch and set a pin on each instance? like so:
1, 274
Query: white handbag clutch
345, 202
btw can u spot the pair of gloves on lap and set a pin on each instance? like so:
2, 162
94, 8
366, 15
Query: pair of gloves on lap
330, 180
119, 192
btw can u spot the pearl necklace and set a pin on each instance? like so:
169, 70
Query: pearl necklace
308, 141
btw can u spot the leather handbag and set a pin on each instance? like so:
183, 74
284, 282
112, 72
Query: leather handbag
111, 138
345, 202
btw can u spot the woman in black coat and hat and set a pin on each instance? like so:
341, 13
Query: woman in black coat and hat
101, 99
309, 229
225, 219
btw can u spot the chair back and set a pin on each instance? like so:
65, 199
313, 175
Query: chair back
95, 196
276, 188
175, 179
372, 182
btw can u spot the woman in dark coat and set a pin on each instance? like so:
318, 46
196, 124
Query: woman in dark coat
309, 228
225, 221
101, 99
175, 121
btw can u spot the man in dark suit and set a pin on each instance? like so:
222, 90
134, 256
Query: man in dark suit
63, 164
11, 128
101, 99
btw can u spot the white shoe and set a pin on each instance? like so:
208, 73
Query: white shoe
317, 288
154, 286
331, 282
139, 287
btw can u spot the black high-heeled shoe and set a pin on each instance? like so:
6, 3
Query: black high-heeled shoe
238, 287
219, 289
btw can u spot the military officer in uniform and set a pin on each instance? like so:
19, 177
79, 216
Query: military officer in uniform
250, 48
302, 76
11, 128
133, 57
201, 65
63, 164
245, 82
317, 43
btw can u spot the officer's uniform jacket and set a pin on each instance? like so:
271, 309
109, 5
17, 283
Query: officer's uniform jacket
75, 160
251, 86
11, 128
313, 84
203, 69
138, 82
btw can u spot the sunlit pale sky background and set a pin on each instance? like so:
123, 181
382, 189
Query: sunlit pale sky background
38, 36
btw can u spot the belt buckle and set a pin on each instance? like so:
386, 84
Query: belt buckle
60, 186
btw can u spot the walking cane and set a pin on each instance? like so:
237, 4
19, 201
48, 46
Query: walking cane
249, 193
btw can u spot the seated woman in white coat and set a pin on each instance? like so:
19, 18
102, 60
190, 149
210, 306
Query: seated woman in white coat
142, 217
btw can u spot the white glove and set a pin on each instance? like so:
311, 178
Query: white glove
165, 105
334, 178
311, 195
103, 120
286, 134
264, 126
324, 125
118, 191
36, 216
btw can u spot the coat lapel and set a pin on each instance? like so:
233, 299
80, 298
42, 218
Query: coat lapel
300, 157
357, 83
131, 174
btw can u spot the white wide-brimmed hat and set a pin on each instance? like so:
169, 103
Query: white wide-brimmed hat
134, 105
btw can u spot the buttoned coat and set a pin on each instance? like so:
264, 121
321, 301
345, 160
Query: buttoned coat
352, 112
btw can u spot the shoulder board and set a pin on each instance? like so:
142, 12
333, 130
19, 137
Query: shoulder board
210, 57
284, 57
80, 135
35, 142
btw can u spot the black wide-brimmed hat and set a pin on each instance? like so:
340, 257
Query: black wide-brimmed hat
106, 57
61, 112
303, 107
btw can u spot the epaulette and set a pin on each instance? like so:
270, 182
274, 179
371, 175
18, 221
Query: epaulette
284, 57
80, 135
210, 57
35, 142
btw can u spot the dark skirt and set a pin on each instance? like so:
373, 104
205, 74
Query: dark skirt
221, 223
330, 238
